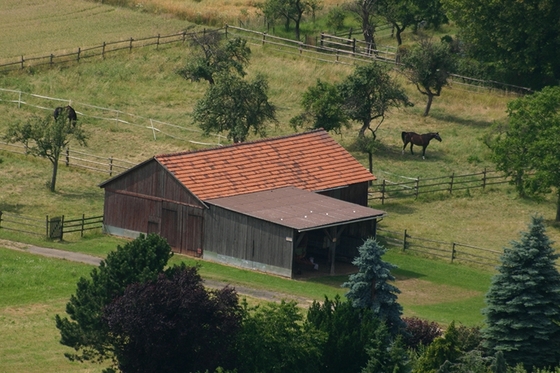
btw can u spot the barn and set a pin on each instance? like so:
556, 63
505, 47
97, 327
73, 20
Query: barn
282, 205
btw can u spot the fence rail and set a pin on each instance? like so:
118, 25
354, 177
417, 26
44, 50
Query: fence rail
73, 158
413, 187
50, 227
97, 51
332, 48
452, 251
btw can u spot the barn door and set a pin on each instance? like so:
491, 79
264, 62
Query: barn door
169, 228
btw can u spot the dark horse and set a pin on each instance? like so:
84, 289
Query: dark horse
67, 111
415, 139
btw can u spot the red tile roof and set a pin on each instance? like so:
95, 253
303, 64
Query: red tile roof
311, 161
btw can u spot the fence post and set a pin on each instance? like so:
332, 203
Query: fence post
130, 45
404, 241
83, 223
417, 187
453, 252
451, 183
226, 31
322, 38
263, 39
79, 51
67, 156
354, 46
110, 166
51, 60
484, 178
0, 219
103, 50
383, 191
47, 226
22, 62
62, 227
157, 42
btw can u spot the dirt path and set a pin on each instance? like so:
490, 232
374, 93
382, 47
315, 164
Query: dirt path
243, 291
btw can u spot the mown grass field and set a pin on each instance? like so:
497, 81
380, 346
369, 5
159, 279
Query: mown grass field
144, 83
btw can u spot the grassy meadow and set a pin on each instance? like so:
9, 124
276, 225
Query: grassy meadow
143, 85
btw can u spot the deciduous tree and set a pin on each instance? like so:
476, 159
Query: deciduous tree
46, 137
523, 302
235, 106
349, 333
323, 107
289, 10
368, 94
275, 339
527, 148
173, 324
402, 14
217, 57
519, 40
428, 66
371, 287
85, 330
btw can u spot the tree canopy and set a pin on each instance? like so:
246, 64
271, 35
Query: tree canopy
217, 57
369, 93
402, 14
235, 106
428, 66
527, 148
173, 324
323, 107
274, 339
518, 40
523, 302
289, 10
47, 137
85, 331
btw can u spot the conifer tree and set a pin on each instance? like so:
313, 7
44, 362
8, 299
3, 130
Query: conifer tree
370, 287
523, 302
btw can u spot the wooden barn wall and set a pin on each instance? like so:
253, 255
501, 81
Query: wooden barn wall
152, 179
181, 225
256, 243
354, 193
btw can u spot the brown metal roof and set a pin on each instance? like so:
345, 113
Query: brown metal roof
296, 208
311, 161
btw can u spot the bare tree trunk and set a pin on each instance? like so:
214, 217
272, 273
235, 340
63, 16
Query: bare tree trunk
558, 208
55, 172
429, 104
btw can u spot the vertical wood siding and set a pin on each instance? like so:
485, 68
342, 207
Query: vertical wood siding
239, 236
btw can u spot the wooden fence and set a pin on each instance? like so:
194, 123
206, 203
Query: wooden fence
327, 48
451, 251
413, 187
336, 49
97, 51
50, 227
74, 158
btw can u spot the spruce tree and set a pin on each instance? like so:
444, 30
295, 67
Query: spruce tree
370, 287
523, 302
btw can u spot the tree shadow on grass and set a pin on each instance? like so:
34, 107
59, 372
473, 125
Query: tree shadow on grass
11, 208
460, 120
403, 274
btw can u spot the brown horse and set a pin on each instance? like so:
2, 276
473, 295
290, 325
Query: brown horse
68, 112
415, 139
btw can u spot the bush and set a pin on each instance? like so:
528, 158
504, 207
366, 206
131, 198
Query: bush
420, 332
